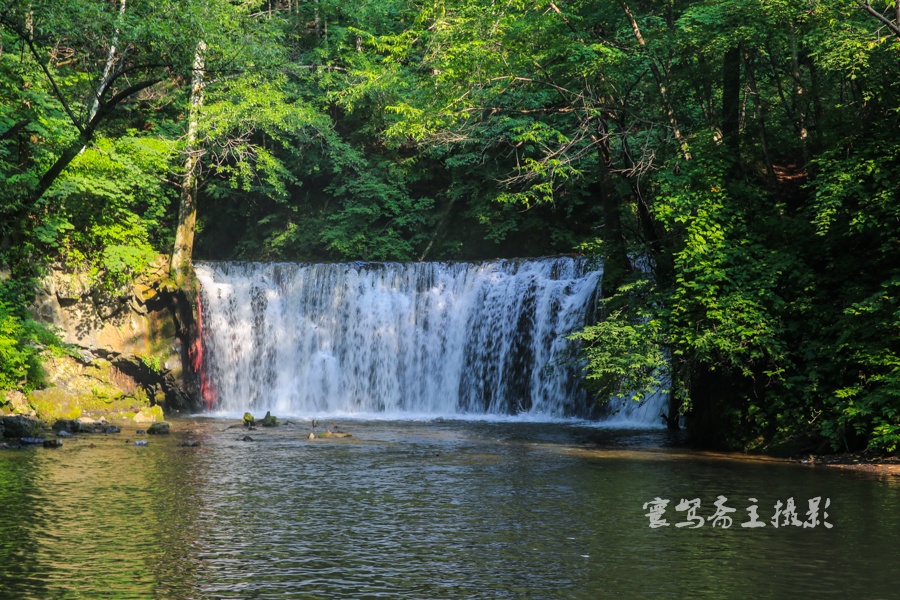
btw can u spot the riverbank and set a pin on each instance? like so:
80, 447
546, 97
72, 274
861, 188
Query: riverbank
863, 462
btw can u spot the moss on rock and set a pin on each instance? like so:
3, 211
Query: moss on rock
158, 429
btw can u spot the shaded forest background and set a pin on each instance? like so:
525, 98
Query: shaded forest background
744, 155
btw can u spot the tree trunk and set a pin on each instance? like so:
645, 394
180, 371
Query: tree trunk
731, 100
761, 117
617, 265
894, 26
438, 228
187, 209
799, 95
660, 84
110, 61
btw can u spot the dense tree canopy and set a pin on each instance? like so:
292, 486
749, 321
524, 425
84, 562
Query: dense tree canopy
732, 163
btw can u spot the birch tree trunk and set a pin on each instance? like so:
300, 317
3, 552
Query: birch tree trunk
110, 61
187, 210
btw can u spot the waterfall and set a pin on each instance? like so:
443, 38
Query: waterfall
397, 339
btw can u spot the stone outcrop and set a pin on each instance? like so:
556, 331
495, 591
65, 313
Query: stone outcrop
129, 341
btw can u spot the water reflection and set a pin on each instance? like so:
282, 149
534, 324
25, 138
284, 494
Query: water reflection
425, 510
99, 517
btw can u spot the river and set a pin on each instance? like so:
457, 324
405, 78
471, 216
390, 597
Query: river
499, 508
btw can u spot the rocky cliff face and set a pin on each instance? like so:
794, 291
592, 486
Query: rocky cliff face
128, 340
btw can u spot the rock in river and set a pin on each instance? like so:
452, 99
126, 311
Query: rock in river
158, 428
20, 427
269, 420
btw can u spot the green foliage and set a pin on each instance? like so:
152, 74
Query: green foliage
624, 351
110, 211
153, 362
21, 341
767, 294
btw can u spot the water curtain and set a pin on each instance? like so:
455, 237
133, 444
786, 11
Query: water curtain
420, 338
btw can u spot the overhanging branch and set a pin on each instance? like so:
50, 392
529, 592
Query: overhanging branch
893, 26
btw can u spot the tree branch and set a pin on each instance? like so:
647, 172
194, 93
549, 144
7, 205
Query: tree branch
23, 35
84, 138
14, 129
660, 83
895, 27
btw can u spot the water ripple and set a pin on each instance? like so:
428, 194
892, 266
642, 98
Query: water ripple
418, 510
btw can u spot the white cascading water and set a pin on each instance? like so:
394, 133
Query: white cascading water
400, 339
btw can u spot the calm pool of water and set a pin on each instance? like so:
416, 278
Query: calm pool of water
427, 510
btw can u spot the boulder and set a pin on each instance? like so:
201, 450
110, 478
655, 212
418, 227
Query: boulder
83, 425
151, 414
18, 403
109, 303
20, 427
67, 426
144, 417
158, 429
269, 420
143, 292
52, 443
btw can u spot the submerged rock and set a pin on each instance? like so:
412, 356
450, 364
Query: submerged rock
52, 443
141, 443
246, 438
335, 434
64, 434
190, 443
31, 440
